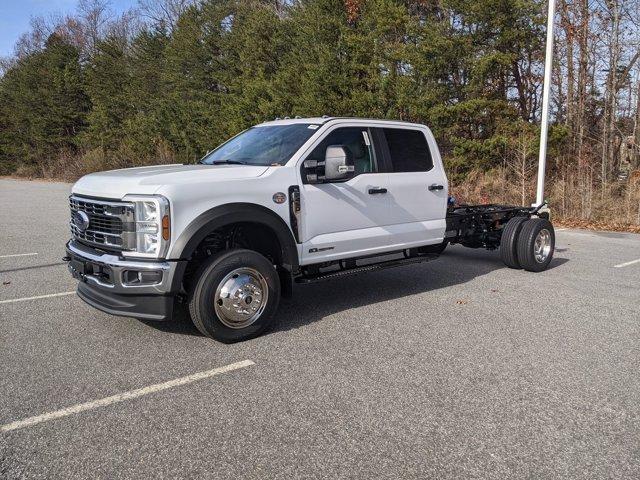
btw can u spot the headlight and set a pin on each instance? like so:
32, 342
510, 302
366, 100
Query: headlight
152, 226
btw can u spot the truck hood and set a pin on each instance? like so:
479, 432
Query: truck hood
115, 184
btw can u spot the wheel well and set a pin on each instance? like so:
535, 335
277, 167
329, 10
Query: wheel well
252, 236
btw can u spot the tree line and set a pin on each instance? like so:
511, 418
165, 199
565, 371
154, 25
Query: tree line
171, 79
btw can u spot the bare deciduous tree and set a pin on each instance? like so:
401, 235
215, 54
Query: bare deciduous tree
520, 161
164, 12
94, 16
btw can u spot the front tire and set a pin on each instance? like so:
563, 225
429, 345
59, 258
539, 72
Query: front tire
235, 296
536, 244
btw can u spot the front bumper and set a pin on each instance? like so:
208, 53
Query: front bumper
105, 283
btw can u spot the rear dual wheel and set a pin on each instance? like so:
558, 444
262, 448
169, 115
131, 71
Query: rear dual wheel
536, 244
528, 243
509, 242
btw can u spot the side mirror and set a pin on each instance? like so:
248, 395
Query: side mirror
337, 164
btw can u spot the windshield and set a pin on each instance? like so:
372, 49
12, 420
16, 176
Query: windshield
269, 145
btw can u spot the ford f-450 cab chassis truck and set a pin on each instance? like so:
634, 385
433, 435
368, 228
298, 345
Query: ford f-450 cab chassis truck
294, 200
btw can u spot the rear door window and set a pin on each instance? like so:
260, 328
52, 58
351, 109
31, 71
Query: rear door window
408, 150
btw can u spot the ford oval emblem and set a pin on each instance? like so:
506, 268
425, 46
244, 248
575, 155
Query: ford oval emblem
81, 220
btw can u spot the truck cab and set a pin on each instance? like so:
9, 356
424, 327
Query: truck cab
292, 200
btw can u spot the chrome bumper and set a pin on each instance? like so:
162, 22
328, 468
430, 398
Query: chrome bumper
79, 254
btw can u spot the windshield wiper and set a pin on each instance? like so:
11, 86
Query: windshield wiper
228, 162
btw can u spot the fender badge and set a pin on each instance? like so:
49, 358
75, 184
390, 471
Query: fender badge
279, 197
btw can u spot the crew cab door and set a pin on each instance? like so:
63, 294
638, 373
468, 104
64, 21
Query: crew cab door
418, 188
344, 218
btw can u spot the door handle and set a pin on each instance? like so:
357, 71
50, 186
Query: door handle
435, 186
375, 190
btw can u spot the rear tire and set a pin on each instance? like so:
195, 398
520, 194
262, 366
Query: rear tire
536, 244
235, 296
509, 242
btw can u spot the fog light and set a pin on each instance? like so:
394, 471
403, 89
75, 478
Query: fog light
145, 277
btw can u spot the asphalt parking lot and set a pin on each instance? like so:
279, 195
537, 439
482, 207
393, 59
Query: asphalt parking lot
458, 368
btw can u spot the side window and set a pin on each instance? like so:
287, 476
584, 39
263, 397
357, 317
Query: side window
356, 140
409, 150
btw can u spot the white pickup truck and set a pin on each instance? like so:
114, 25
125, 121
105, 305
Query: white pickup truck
293, 200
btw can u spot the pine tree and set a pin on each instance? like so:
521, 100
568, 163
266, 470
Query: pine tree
145, 129
43, 107
108, 78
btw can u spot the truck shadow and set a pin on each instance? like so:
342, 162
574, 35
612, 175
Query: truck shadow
33, 267
313, 302
458, 265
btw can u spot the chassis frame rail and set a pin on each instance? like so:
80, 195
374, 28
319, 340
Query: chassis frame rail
480, 226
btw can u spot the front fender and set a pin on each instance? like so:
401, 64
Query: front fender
222, 215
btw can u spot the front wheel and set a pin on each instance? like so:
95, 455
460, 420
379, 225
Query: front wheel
235, 296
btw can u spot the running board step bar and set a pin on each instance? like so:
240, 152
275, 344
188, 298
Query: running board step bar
366, 268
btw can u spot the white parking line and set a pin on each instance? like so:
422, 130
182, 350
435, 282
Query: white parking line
18, 255
121, 397
51, 295
626, 264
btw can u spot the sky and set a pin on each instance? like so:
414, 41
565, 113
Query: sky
15, 16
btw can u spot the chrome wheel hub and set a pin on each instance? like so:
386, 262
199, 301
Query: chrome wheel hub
542, 245
241, 297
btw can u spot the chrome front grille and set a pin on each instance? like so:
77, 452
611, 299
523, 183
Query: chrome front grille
103, 223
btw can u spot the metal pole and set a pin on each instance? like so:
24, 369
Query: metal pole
546, 90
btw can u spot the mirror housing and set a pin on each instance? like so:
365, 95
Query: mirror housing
337, 164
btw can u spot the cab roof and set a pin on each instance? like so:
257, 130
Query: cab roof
326, 119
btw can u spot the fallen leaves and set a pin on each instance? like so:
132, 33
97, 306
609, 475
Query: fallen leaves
597, 225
